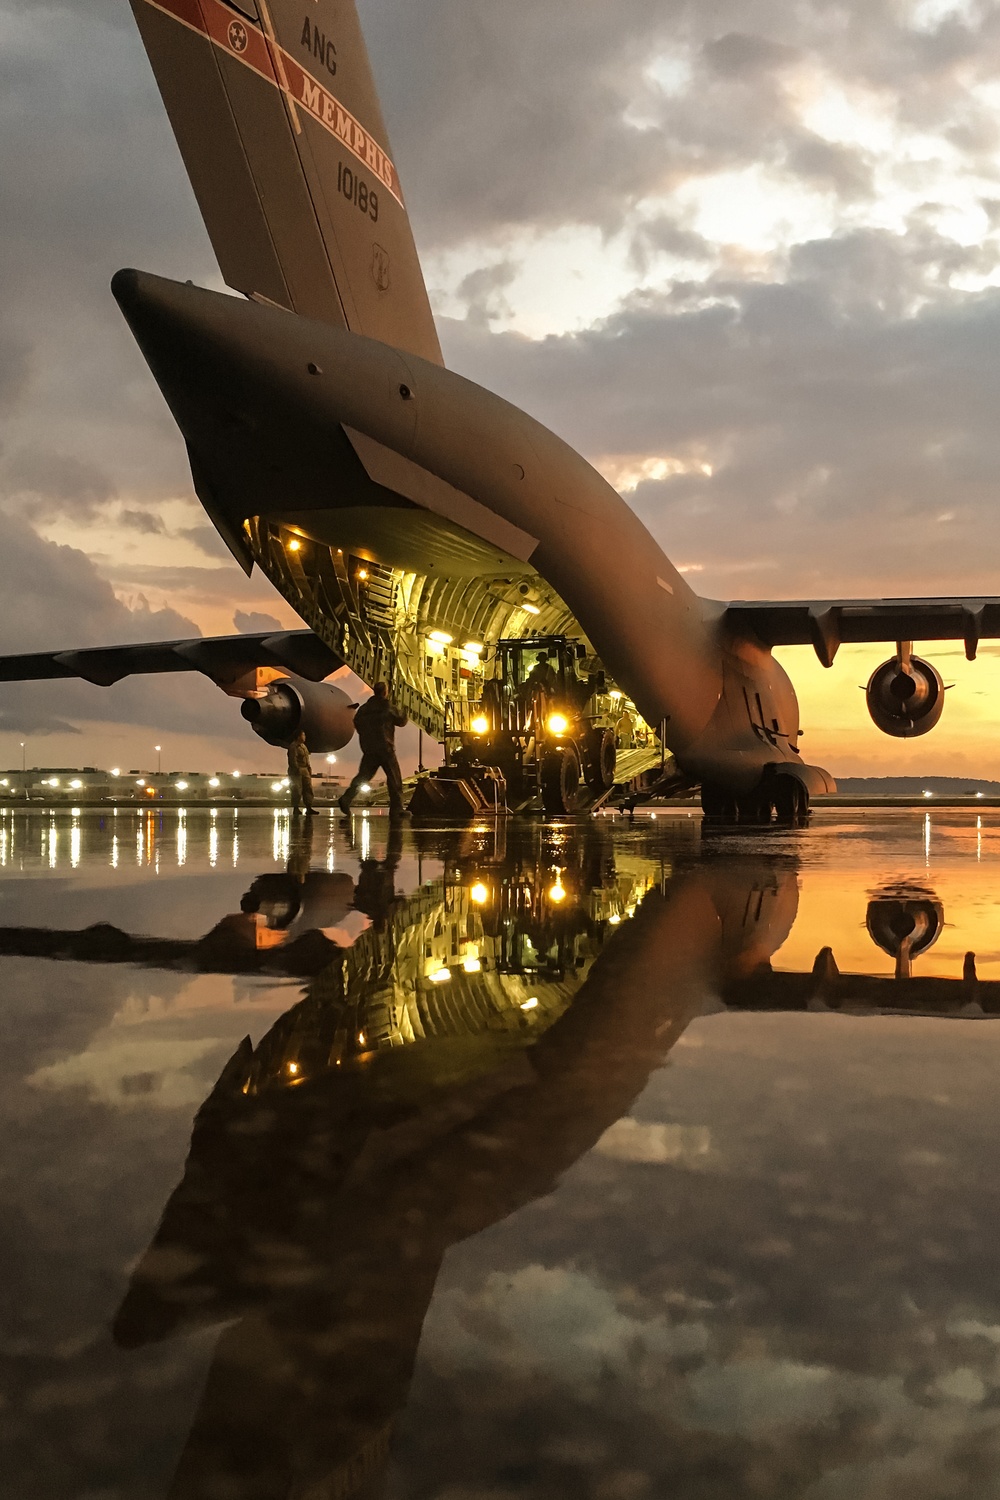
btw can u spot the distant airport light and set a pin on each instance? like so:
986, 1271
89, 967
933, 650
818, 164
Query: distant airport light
141, 782
214, 781
331, 760
928, 794
276, 786
5, 782
978, 794
75, 811
181, 786
479, 894
366, 787
440, 638
286, 782
76, 785
237, 774
116, 771
53, 781
480, 725
558, 724
531, 1004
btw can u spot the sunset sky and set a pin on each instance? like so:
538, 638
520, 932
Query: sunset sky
744, 256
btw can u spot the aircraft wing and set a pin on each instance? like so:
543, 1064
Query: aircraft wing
827, 624
223, 658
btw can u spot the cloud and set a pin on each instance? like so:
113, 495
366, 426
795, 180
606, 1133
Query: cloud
630, 1140
787, 414
52, 598
254, 622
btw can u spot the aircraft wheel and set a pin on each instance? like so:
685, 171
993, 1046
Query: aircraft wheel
757, 809
602, 757
561, 780
718, 805
791, 801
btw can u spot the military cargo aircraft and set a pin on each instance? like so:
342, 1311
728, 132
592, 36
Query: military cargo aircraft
427, 532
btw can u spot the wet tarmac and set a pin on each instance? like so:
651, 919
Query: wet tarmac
602, 1162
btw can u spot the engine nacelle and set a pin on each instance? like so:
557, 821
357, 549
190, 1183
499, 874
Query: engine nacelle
905, 696
291, 704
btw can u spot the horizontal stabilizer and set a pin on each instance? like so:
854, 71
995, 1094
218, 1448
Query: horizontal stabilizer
828, 624
223, 658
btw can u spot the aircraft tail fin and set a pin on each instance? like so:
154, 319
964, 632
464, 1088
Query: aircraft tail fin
274, 108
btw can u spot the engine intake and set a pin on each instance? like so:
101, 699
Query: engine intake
905, 696
292, 704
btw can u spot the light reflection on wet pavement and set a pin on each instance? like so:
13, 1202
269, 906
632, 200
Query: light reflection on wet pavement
610, 1160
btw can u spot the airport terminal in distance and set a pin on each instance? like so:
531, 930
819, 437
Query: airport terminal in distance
428, 533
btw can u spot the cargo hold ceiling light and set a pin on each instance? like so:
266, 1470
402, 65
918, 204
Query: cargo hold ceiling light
440, 637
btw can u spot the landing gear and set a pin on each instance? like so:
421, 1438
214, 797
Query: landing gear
791, 801
782, 799
718, 805
561, 775
602, 758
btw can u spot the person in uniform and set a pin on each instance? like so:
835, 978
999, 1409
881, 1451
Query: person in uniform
300, 774
542, 675
376, 722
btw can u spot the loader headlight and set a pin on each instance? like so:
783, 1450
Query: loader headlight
558, 724
481, 725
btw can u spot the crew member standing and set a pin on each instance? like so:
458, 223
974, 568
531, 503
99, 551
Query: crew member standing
300, 774
376, 722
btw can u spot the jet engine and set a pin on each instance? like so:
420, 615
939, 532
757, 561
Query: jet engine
905, 695
292, 703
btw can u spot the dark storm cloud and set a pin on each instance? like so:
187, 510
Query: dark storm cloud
254, 622
52, 598
851, 437
142, 521
538, 114
44, 483
89, 180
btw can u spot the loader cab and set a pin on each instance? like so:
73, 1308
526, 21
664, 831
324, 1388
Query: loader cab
543, 723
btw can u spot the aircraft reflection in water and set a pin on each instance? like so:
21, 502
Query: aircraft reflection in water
455, 1052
